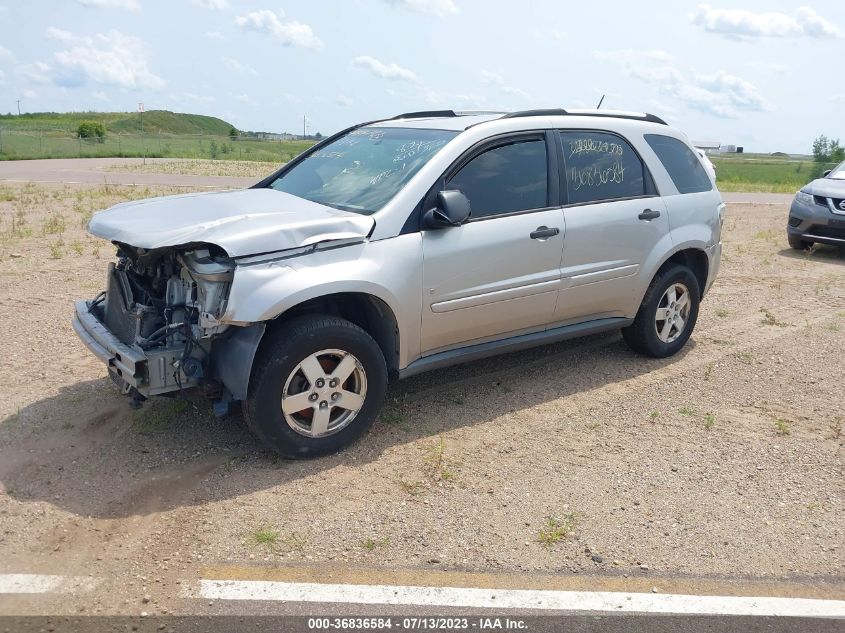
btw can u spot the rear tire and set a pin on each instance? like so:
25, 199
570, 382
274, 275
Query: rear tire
316, 386
797, 243
667, 314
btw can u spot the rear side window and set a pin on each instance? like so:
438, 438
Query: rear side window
684, 167
505, 179
601, 166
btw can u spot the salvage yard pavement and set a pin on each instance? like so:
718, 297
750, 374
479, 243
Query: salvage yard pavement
724, 463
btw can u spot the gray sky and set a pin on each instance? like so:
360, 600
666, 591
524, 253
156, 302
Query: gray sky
763, 74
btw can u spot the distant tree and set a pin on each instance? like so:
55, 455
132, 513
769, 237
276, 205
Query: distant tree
233, 132
826, 150
91, 129
318, 136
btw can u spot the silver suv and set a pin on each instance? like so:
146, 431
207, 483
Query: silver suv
400, 246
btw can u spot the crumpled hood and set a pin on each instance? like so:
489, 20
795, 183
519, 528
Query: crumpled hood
244, 222
826, 188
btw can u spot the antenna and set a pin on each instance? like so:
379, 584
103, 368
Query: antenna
598, 107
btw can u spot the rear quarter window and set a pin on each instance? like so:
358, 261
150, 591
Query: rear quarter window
684, 167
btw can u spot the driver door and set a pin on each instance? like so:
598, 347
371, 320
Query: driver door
499, 273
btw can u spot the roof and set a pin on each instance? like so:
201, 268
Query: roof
461, 120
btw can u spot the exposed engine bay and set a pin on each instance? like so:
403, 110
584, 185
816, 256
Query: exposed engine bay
167, 302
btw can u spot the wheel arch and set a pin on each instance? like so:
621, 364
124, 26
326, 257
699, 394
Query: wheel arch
692, 257
369, 312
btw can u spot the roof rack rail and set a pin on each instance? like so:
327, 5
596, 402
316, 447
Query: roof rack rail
424, 114
542, 112
635, 116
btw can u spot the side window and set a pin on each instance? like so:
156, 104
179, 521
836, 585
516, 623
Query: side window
684, 167
601, 166
505, 179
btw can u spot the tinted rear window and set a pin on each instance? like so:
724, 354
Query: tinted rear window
600, 166
680, 161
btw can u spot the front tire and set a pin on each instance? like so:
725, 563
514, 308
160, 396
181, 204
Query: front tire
317, 384
667, 314
797, 243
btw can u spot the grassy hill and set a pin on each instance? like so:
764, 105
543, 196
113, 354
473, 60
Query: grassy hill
154, 122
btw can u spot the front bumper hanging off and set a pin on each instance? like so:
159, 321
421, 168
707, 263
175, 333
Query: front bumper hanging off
150, 373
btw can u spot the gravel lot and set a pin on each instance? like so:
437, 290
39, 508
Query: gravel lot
724, 461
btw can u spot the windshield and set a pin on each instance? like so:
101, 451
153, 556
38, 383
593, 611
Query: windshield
838, 172
361, 171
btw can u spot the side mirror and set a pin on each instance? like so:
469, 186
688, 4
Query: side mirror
826, 173
453, 209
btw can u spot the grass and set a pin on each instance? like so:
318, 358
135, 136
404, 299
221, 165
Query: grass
413, 488
158, 415
709, 421
770, 319
392, 417
686, 411
763, 173
266, 536
437, 462
746, 357
721, 312
708, 371
56, 250
556, 529
782, 426
370, 544
271, 538
164, 135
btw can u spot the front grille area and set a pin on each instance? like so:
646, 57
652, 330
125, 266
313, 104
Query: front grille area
827, 231
121, 315
837, 204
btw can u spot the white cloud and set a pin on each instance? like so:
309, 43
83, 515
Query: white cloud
217, 5
289, 33
720, 94
343, 101
380, 69
39, 72
439, 8
6, 55
236, 66
2, 77
214, 35
129, 5
106, 58
190, 96
490, 78
102, 96
243, 98
29, 94
741, 23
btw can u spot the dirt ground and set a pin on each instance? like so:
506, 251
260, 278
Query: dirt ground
724, 461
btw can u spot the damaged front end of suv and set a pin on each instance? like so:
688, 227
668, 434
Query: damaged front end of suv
162, 306
164, 322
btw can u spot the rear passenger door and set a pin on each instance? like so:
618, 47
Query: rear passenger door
614, 219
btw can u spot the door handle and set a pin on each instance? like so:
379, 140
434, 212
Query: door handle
544, 232
649, 214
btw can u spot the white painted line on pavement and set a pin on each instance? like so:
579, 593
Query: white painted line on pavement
519, 599
46, 583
